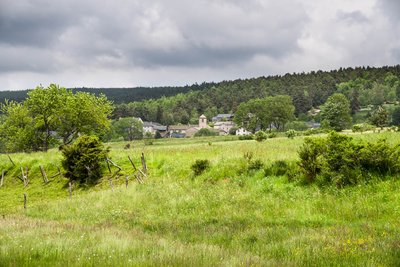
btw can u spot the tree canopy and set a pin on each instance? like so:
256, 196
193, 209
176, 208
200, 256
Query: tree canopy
52, 114
335, 113
272, 111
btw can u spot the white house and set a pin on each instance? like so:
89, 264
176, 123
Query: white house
242, 131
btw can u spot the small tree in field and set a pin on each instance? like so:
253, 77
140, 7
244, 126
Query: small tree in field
335, 113
380, 117
83, 160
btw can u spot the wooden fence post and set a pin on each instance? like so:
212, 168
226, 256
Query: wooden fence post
126, 181
70, 189
133, 164
25, 176
44, 175
144, 163
11, 160
111, 184
108, 165
3, 173
24, 201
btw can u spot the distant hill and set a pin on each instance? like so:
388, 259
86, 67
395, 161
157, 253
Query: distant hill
119, 95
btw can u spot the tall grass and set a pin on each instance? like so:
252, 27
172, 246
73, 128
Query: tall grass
224, 217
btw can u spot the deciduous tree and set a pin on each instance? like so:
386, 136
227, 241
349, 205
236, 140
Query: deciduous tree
335, 113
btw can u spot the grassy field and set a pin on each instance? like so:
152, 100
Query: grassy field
227, 216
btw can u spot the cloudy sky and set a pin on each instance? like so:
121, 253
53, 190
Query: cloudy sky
126, 43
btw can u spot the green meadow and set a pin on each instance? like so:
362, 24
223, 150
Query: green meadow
230, 215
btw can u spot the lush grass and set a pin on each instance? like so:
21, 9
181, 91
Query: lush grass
227, 216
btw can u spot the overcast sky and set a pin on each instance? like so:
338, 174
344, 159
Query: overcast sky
126, 43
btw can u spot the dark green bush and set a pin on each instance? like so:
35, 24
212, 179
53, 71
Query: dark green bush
339, 160
83, 160
277, 168
200, 166
246, 137
260, 136
291, 134
255, 165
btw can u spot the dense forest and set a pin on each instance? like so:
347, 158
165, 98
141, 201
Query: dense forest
363, 86
119, 95
168, 105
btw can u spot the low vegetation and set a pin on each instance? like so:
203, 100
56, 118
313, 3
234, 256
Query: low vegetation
246, 208
340, 160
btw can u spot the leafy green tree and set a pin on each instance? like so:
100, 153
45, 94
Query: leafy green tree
278, 110
17, 132
83, 113
84, 159
53, 112
43, 105
396, 116
247, 115
129, 128
378, 94
335, 113
265, 113
379, 117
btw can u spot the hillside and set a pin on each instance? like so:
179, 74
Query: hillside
231, 215
118, 95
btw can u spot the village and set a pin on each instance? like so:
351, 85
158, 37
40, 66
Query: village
222, 124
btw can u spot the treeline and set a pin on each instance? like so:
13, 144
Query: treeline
362, 85
118, 95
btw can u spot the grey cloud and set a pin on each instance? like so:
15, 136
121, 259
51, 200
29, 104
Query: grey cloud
391, 8
154, 33
352, 17
216, 38
223, 32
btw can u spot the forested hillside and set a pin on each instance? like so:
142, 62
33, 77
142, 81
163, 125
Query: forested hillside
119, 95
363, 86
168, 105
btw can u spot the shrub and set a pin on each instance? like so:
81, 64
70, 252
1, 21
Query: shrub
157, 135
272, 135
291, 134
311, 161
200, 166
246, 137
232, 131
283, 168
255, 165
362, 127
83, 160
314, 131
340, 160
205, 132
260, 136
297, 126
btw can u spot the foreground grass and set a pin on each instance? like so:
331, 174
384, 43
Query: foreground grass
225, 217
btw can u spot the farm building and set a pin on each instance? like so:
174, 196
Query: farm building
179, 131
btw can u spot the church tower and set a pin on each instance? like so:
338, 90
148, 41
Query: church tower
202, 121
